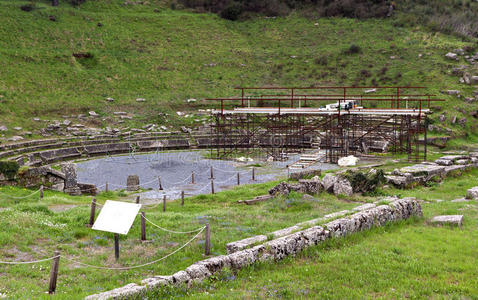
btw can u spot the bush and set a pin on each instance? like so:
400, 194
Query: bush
28, 7
232, 12
353, 49
365, 182
9, 168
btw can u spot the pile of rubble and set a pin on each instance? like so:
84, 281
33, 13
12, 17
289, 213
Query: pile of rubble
420, 174
276, 249
341, 184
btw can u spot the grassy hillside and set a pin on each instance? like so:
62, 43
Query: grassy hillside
132, 50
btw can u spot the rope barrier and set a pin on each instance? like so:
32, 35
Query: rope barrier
23, 197
138, 266
172, 231
27, 262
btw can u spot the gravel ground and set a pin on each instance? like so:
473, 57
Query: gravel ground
175, 169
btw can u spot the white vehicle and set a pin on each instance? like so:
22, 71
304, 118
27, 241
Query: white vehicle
347, 104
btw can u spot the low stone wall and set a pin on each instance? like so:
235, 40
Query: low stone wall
276, 249
420, 174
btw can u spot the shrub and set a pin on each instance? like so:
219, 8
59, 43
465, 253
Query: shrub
9, 168
353, 49
365, 182
232, 12
28, 7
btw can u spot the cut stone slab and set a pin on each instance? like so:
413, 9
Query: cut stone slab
422, 169
448, 219
460, 200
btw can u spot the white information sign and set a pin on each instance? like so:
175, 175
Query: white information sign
116, 217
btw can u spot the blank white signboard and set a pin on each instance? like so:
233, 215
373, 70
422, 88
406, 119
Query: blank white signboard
116, 217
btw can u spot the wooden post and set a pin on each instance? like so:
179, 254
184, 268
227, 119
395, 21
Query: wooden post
41, 191
143, 226
160, 185
253, 173
54, 272
116, 246
92, 212
238, 179
212, 173
192, 178
182, 198
164, 203
212, 186
106, 187
207, 243
137, 199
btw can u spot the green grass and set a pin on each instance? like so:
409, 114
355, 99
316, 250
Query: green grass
411, 259
33, 231
168, 56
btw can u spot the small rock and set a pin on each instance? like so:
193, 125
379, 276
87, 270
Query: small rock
93, 114
140, 99
453, 92
451, 55
3, 128
17, 128
119, 113
109, 99
15, 138
36, 119
472, 193
448, 219
66, 122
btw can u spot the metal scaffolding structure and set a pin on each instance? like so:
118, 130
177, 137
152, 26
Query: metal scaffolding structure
290, 120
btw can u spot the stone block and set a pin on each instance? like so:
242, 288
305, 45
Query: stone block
132, 183
448, 220
197, 272
124, 292
328, 182
181, 277
472, 193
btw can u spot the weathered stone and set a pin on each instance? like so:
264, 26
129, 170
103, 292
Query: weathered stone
310, 186
472, 193
181, 277
71, 182
93, 114
244, 243
364, 207
3, 128
157, 281
453, 92
132, 183
282, 188
119, 293
448, 219
444, 162
197, 272
328, 182
343, 187
217, 263
451, 55
428, 171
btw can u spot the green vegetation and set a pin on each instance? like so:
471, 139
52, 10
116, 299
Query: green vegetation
34, 228
412, 259
71, 65
9, 168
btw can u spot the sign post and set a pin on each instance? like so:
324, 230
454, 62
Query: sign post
116, 217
